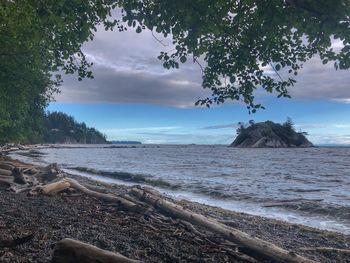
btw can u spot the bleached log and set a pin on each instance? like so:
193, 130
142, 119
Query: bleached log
106, 197
54, 188
72, 251
256, 245
48, 173
6, 166
5, 172
8, 180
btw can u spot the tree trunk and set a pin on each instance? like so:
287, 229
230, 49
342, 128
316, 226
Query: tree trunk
256, 245
73, 251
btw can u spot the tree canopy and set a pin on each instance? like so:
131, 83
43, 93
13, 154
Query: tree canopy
235, 42
239, 39
37, 40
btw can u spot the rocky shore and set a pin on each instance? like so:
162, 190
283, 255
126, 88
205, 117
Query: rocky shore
31, 225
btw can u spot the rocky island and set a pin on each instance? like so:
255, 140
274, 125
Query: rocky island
270, 135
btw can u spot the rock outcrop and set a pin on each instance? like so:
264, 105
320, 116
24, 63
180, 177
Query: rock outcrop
270, 135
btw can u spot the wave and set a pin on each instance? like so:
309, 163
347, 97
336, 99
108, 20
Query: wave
129, 177
314, 207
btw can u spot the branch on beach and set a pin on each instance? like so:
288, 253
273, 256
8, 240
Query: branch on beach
256, 245
50, 180
16, 241
69, 250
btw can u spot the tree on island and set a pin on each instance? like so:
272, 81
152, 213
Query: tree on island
270, 135
234, 42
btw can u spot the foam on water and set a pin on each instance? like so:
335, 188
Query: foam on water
236, 179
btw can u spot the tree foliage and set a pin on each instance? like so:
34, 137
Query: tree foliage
60, 128
38, 38
237, 42
289, 124
270, 131
240, 41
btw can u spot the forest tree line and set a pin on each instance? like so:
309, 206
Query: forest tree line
58, 127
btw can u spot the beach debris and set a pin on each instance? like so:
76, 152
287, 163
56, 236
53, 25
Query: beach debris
72, 251
327, 249
255, 245
17, 241
52, 188
50, 180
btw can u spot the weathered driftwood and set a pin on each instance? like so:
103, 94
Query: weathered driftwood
48, 176
5, 172
63, 184
48, 173
18, 176
7, 180
256, 245
73, 251
54, 188
6, 166
106, 197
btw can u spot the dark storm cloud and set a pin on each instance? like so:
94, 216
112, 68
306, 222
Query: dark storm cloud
131, 86
127, 70
223, 126
320, 81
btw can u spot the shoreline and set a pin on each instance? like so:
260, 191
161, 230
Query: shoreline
22, 212
233, 206
295, 211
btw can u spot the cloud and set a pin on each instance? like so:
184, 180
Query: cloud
186, 138
322, 125
222, 126
131, 86
318, 81
127, 70
331, 139
346, 101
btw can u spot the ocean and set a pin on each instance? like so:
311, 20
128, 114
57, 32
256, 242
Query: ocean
309, 186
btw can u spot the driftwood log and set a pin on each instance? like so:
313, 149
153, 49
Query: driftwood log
72, 251
240, 238
105, 197
5, 172
50, 180
54, 188
7, 180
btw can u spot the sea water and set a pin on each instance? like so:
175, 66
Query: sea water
310, 186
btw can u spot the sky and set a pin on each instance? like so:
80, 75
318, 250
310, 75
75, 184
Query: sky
132, 97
